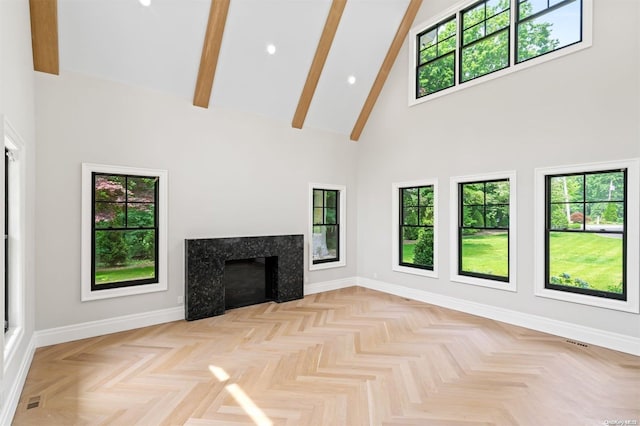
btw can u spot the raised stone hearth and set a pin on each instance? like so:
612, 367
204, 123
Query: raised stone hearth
205, 263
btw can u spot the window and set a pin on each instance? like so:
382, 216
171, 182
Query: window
547, 25
475, 39
124, 215
327, 226
14, 248
436, 58
484, 234
485, 39
588, 217
415, 228
7, 266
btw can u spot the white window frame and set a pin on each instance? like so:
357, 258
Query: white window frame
587, 41
87, 189
342, 240
632, 304
395, 229
17, 239
453, 221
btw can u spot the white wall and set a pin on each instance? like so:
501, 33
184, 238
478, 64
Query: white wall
17, 106
230, 174
576, 109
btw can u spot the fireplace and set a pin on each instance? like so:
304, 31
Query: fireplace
225, 273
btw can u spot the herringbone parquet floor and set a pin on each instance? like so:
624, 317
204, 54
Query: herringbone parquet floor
346, 357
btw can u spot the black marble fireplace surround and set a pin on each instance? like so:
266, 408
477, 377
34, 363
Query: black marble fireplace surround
204, 269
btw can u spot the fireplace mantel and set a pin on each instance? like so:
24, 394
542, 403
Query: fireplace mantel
204, 268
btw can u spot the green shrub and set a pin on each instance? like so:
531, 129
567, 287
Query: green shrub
423, 254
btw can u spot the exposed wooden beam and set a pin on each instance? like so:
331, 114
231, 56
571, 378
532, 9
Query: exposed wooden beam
322, 51
210, 52
387, 64
44, 35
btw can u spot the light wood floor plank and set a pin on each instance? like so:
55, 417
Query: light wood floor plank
346, 357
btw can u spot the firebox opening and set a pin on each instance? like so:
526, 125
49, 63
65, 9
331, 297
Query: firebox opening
248, 281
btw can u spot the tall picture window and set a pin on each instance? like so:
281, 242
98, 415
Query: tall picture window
586, 234
124, 231
586, 228
483, 236
484, 232
416, 227
327, 226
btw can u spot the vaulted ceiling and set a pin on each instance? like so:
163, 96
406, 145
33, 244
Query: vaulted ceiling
214, 52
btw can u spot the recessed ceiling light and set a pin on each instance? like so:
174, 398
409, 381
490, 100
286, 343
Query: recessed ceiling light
271, 49
351, 79
145, 3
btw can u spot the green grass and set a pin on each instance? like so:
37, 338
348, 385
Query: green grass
590, 257
136, 271
408, 251
486, 254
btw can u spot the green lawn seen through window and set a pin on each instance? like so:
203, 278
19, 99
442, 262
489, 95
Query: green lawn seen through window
135, 271
594, 258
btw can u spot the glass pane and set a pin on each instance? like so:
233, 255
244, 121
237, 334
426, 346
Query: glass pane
551, 31
318, 198
141, 189
498, 22
497, 217
472, 193
428, 39
410, 197
530, 7
488, 55
109, 215
576, 215
473, 16
410, 234
436, 75
318, 215
410, 216
331, 217
605, 216
605, 186
585, 260
559, 216
473, 216
447, 45
124, 256
565, 189
426, 215
141, 214
109, 188
420, 252
426, 195
498, 192
324, 242
331, 199
485, 252
472, 34
496, 6
446, 30
408, 243
428, 54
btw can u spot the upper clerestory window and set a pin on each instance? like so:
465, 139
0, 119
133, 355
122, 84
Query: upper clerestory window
474, 42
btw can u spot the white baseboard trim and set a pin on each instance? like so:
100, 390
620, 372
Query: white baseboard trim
615, 341
320, 287
14, 390
53, 336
